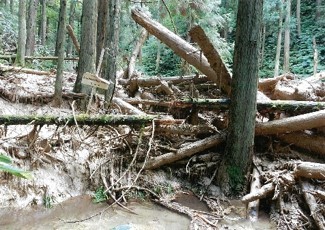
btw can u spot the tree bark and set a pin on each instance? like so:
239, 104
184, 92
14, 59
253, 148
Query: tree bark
31, 27
279, 41
101, 27
74, 39
87, 57
57, 100
239, 148
298, 18
70, 27
286, 57
21, 45
43, 23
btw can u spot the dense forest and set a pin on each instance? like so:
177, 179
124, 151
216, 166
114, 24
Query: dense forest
306, 25
194, 105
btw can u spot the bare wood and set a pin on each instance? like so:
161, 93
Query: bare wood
310, 170
178, 45
314, 143
253, 206
186, 151
131, 66
267, 85
216, 63
153, 81
165, 88
73, 38
127, 107
319, 193
291, 124
312, 204
39, 58
24, 70
263, 192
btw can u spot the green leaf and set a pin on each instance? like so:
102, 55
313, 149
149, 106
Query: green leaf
5, 159
15, 171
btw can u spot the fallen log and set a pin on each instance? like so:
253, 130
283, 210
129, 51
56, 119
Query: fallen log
267, 85
184, 129
81, 119
198, 35
313, 143
180, 47
46, 58
253, 206
127, 107
73, 38
154, 81
310, 170
291, 107
291, 124
5, 68
184, 152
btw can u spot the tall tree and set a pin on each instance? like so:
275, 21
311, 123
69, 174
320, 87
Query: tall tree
87, 56
60, 42
71, 23
21, 45
234, 169
42, 28
298, 20
112, 44
31, 27
286, 46
318, 10
12, 6
279, 42
101, 27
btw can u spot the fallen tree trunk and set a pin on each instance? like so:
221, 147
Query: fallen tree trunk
180, 47
39, 58
292, 107
73, 38
291, 124
260, 193
127, 107
153, 81
313, 143
216, 63
186, 151
5, 68
81, 119
310, 170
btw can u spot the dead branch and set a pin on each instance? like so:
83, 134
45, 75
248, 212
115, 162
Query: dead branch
253, 206
73, 38
4, 68
263, 192
127, 107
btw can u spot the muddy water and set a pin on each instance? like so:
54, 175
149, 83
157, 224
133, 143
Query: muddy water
68, 214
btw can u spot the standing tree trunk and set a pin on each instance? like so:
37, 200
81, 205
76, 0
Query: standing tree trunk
20, 58
42, 30
286, 57
298, 19
318, 10
278, 45
71, 23
31, 27
87, 56
60, 42
112, 44
101, 27
234, 169
12, 6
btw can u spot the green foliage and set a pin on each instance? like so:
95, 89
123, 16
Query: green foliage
6, 166
100, 195
48, 202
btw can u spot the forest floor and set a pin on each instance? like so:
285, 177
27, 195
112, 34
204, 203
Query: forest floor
69, 161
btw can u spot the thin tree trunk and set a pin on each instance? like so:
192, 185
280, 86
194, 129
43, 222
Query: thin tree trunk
318, 10
286, 57
31, 27
60, 42
12, 6
21, 49
101, 27
278, 45
71, 24
298, 18
43, 23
